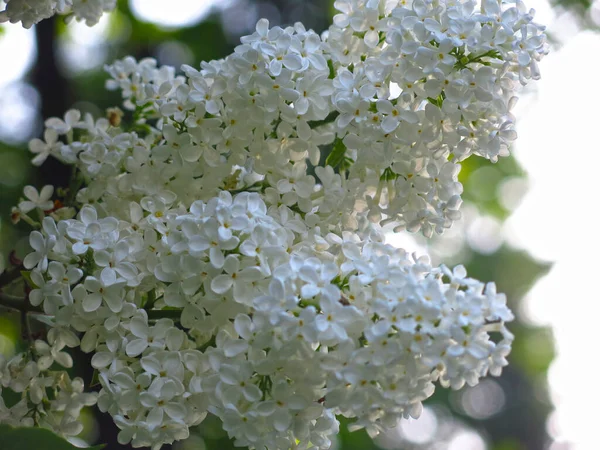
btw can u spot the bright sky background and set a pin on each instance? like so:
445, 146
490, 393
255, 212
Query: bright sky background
178, 13
558, 146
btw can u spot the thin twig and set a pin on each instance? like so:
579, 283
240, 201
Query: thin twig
18, 304
9, 276
13, 302
26, 327
157, 314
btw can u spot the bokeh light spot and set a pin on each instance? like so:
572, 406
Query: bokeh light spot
17, 47
511, 192
179, 13
467, 440
484, 400
83, 48
421, 430
19, 104
484, 235
174, 53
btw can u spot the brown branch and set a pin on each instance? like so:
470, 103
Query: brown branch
9, 276
13, 302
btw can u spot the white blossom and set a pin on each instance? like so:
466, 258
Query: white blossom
35, 199
30, 12
210, 272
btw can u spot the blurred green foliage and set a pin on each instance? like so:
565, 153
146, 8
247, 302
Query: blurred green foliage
28, 439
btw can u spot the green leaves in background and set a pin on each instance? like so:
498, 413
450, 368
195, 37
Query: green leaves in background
337, 157
34, 438
482, 181
577, 6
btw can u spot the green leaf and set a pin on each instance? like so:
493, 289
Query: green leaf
95, 379
337, 155
388, 175
331, 69
329, 119
34, 438
439, 101
26, 274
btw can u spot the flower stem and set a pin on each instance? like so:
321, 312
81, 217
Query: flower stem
157, 314
18, 304
26, 333
151, 299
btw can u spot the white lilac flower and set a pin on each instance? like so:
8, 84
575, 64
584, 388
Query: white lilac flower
61, 411
30, 12
35, 199
47, 355
49, 146
42, 246
145, 336
105, 289
209, 272
44, 291
71, 120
